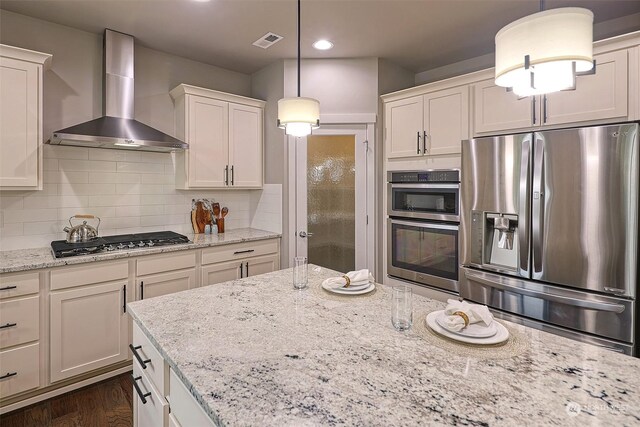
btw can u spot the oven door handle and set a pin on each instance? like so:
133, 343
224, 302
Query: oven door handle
427, 186
427, 225
593, 305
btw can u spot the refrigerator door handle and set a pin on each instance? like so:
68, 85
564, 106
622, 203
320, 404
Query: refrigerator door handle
537, 211
593, 305
524, 208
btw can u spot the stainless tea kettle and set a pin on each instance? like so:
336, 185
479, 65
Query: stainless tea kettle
82, 232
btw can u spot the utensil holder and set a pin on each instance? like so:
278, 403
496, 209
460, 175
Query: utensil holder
220, 224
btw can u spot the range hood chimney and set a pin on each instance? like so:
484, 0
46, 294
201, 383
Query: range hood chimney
117, 128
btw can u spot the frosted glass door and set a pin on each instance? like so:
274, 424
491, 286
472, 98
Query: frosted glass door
331, 207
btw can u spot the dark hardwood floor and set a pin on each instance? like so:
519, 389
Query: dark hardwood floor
107, 403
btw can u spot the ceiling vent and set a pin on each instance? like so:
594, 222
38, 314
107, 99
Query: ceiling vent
267, 40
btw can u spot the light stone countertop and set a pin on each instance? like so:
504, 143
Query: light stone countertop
256, 352
33, 259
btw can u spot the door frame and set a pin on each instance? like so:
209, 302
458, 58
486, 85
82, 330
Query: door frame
338, 125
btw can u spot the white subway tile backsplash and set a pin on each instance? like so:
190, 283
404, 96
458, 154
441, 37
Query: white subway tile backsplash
132, 192
86, 165
131, 167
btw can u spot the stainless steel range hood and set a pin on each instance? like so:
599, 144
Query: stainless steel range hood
117, 128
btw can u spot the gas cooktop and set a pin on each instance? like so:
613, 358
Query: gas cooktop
121, 242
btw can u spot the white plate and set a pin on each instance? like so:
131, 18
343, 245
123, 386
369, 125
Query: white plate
366, 290
501, 336
474, 330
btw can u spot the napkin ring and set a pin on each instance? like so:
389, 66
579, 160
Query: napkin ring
464, 317
345, 277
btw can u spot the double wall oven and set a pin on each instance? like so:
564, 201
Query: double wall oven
423, 218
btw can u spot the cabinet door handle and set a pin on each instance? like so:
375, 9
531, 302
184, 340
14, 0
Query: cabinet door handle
8, 375
241, 272
134, 351
533, 109
418, 142
8, 325
247, 268
143, 396
424, 143
244, 252
8, 288
141, 289
232, 175
124, 299
544, 109
226, 175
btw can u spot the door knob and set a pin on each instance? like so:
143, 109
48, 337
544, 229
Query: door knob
304, 234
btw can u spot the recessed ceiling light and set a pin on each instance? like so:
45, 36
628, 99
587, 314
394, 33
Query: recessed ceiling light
323, 45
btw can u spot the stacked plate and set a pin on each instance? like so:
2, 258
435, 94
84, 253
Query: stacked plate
475, 333
359, 289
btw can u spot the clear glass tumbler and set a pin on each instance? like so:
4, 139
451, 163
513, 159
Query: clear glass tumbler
402, 308
300, 272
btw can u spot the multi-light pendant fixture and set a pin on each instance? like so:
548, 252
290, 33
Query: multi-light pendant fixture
296, 115
544, 52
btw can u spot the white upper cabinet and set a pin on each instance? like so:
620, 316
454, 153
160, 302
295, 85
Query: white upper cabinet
225, 137
403, 124
446, 120
21, 73
245, 146
431, 124
603, 95
496, 110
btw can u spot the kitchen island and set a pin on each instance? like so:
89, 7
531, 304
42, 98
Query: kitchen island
257, 352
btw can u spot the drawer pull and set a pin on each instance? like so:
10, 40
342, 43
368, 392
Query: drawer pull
8, 325
143, 363
8, 288
8, 375
248, 251
143, 396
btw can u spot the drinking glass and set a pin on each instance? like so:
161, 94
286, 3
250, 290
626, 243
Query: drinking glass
401, 308
300, 272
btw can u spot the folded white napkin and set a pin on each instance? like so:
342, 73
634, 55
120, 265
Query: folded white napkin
356, 278
476, 314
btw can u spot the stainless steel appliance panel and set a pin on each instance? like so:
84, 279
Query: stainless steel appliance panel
585, 208
496, 179
424, 252
609, 317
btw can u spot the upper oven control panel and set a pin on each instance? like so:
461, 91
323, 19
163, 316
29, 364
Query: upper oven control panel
448, 175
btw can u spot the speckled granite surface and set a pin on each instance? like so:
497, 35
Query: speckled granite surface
256, 352
33, 259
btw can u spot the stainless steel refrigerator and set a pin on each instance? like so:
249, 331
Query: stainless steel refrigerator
550, 231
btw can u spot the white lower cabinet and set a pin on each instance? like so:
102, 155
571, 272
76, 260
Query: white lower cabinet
184, 407
221, 272
262, 265
150, 408
19, 370
166, 283
88, 329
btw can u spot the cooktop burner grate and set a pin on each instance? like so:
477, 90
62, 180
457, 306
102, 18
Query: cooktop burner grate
61, 248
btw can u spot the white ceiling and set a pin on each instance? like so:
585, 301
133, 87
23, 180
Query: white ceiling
416, 34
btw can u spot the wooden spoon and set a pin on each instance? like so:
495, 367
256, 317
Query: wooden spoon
216, 210
225, 211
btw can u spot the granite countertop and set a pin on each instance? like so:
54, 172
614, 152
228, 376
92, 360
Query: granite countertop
256, 352
33, 259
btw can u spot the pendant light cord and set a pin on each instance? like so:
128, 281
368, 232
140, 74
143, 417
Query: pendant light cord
298, 48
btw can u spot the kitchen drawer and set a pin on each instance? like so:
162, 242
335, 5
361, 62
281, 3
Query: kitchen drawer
239, 251
150, 360
19, 321
23, 366
13, 285
151, 409
95, 272
184, 406
166, 262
